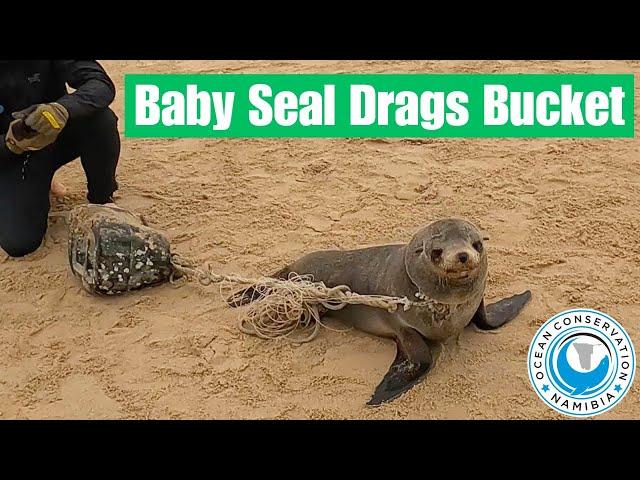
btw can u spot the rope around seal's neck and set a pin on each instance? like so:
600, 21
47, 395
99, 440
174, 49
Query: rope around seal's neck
281, 307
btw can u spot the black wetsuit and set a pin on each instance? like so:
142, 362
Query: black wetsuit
91, 133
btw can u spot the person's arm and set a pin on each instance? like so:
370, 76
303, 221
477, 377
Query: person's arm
94, 89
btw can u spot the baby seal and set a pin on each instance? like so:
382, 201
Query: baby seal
444, 267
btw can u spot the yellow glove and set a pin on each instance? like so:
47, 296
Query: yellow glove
36, 127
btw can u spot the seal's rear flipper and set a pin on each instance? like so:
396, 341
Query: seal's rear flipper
413, 361
251, 294
499, 313
244, 297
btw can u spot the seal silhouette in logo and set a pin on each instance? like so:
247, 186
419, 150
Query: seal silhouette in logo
581, 362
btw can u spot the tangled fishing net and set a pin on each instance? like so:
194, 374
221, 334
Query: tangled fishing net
289, 308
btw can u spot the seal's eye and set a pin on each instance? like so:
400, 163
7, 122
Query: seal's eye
419, 250
436, 254
477, 245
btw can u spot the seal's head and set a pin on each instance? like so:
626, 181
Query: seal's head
446, 260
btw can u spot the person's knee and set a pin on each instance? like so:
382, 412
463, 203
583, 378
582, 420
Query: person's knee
105, 120
20, 246
102, 124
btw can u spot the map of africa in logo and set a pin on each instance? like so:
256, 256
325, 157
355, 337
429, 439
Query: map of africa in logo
581, 362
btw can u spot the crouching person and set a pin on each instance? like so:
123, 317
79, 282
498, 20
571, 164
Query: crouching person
42, 128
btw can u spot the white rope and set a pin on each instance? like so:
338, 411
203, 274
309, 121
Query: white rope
282, 307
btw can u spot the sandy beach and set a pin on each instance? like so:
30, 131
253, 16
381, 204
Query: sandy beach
562, 216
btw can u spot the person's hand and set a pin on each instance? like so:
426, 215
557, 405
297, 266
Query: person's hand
36, 127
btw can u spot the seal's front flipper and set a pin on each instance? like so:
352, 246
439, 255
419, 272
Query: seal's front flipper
413, 361
499, 313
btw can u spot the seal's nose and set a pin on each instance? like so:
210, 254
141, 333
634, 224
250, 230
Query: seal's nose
463, 257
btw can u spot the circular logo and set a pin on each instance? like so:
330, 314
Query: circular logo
581, 362
1, 108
